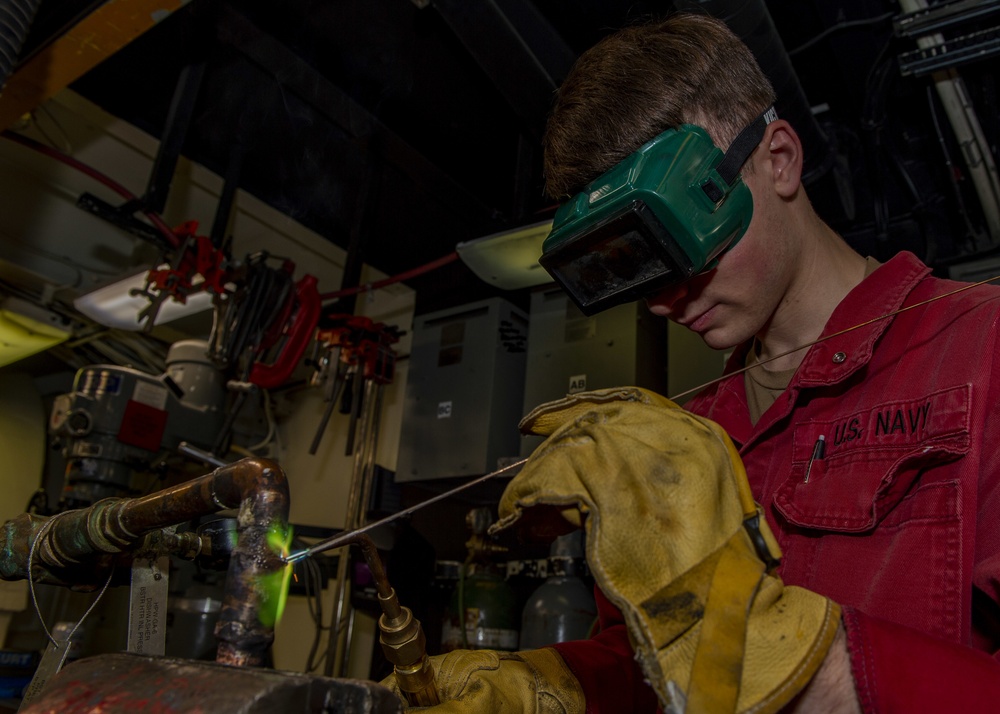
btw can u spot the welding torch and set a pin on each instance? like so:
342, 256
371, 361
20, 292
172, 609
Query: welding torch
401, 636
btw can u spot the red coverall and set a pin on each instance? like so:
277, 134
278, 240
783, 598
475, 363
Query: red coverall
899, 521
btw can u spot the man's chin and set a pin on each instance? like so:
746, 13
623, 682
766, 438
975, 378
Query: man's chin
721, 339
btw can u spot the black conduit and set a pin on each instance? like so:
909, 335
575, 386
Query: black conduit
16, 17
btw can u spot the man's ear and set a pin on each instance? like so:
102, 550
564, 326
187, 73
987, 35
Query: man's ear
783, 158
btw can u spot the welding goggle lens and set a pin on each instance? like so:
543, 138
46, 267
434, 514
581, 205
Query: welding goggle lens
618, 261
655, 219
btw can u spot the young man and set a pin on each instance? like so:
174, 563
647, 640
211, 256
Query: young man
874, 454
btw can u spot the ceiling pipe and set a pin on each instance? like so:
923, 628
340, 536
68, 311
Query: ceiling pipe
964, 122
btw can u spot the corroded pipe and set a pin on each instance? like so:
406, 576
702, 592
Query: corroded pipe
92, 535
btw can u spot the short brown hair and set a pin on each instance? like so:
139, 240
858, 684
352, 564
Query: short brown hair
642, 80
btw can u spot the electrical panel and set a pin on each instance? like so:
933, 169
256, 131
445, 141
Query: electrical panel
464, 391
569, 352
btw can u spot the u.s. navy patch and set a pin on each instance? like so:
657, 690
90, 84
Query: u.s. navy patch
898, 423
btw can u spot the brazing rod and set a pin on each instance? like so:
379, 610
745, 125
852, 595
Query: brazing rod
342, 539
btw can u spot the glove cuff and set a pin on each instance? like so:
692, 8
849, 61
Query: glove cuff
726, 637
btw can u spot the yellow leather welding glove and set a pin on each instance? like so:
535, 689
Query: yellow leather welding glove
475, 681
676, 542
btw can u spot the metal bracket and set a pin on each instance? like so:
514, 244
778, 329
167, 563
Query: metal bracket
122, 216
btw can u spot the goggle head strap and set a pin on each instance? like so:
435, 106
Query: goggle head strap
737, 154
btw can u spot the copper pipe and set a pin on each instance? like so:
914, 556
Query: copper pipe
91, 535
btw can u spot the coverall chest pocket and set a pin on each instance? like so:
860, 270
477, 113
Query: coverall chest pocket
877, 524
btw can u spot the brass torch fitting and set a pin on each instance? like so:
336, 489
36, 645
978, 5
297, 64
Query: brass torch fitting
403, 642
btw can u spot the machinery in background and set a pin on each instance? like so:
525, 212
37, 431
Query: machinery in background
121, 429
117, 422
476, 369
264, 319
570, 352
938, 58
119, 425
464, 391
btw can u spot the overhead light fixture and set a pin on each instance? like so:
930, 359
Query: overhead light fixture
115, 305
509, 259
26, 329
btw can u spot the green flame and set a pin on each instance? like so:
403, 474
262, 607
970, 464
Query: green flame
274, 585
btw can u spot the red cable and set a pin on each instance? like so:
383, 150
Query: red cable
93, 173
414, 272
175, 241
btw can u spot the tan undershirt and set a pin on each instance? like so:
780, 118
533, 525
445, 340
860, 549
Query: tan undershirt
764, 385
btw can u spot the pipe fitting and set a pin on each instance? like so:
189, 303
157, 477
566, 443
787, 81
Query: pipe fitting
72, 539
401, 636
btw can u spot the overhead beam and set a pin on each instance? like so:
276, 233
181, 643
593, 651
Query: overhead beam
86, 44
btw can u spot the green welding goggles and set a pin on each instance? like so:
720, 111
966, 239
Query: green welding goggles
662, 215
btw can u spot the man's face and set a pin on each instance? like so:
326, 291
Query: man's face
733, 302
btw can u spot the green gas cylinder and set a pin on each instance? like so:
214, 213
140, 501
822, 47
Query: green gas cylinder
485, 607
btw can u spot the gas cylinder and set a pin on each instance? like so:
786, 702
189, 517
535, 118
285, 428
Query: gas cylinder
562, 608
486, 605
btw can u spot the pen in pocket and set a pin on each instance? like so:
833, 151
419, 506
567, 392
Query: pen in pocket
819, 448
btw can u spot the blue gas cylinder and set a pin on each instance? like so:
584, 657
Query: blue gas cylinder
562, 608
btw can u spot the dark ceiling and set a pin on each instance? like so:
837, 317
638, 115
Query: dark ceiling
403, 127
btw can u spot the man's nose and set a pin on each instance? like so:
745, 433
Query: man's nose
663, 302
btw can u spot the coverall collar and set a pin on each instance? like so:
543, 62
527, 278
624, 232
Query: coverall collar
836, 359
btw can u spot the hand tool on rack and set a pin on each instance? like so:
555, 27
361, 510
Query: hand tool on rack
355, 349
262, 329
358, 349
294, 331
196, 266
